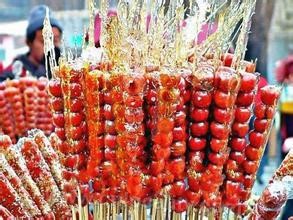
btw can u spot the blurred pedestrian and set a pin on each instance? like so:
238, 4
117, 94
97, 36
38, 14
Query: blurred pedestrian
284, 75
33, 62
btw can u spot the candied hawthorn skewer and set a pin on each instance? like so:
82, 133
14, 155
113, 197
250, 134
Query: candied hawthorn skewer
14, 97
178, 148
11, 200
134, 134
28, 89
41, 174
226, 88
286, 167
49, 154
264, 110
177, 159
5, 214
114, 173
94, 83
242, 114
202, 83
169, 168
57, 106
18, 164
70, 125
7, 123
270, 202
274, 195
74, 117
30, 110
15, 181
74, 89
44, 119
151, 108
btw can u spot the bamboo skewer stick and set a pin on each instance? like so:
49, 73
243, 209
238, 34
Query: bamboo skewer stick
144, 212
211, 215
162, 209
101, 210
95, 211
86, 212
108, 211
114, 211
154, 209
196, 213
73, 212
80, 209
202, 214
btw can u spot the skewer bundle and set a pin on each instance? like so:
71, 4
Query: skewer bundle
24, 106
157, 121
170, 131
27, 181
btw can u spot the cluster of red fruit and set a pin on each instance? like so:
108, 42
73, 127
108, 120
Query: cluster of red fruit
24, 105
131, 140
31, 179
69, 115
167, 131
235, 192
271, 202
139, 135
276, 193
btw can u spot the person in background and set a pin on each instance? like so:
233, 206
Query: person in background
33, 62
284, 75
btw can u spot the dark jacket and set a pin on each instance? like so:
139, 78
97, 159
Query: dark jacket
36, 71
